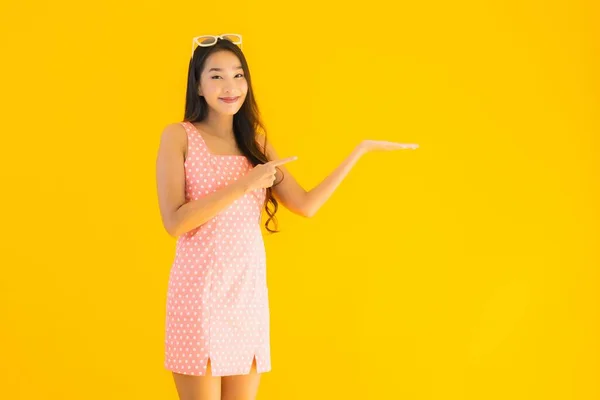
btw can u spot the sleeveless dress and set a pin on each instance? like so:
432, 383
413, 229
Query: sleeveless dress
217, 297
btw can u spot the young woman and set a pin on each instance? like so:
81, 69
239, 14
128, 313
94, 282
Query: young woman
215, 174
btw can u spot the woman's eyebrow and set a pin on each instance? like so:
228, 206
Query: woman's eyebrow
221, 69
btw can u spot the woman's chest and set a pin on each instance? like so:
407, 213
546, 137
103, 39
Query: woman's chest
212, 173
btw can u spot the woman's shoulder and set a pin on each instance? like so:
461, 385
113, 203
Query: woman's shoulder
174, 130
174, 135
268, 150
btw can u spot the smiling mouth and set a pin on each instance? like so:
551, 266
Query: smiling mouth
229, 99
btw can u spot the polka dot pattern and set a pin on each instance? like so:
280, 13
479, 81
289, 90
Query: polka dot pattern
217, 297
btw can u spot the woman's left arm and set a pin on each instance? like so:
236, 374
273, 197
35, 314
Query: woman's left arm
306, 203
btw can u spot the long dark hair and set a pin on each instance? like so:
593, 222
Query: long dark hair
246, 122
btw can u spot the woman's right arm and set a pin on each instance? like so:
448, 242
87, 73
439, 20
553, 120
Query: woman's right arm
179, 217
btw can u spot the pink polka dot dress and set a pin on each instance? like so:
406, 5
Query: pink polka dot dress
217, 297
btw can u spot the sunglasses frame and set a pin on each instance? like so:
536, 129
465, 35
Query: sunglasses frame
196, 40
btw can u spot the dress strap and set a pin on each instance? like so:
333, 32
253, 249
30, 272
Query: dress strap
195, 136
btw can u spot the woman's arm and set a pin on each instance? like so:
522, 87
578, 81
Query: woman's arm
306, 203
179, 216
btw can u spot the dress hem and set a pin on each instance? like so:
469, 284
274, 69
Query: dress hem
258, 371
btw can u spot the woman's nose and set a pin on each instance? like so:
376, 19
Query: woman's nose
229, 89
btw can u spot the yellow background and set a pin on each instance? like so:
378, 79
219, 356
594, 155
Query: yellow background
467, 269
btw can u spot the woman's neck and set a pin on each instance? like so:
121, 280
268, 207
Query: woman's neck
218, 125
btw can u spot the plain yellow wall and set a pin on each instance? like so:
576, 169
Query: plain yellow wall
467, 269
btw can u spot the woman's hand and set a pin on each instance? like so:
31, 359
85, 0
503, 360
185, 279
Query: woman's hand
263, 175
381, 145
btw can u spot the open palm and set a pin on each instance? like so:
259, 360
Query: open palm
382, 145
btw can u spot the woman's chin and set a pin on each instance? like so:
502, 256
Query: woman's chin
229, 111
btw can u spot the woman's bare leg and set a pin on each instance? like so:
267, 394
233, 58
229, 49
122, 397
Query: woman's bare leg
241, 387
198, 387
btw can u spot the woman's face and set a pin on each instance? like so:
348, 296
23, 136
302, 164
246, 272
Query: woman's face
223, 83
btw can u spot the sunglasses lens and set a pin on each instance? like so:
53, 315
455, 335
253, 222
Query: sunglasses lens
207, 41
232, 38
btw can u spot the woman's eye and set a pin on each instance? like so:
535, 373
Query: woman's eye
219, 76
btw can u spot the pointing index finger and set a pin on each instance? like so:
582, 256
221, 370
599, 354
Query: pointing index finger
275, 163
